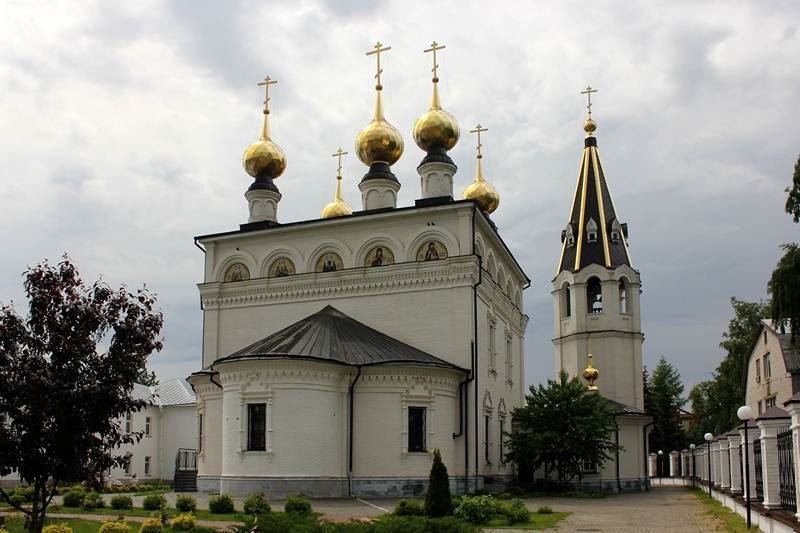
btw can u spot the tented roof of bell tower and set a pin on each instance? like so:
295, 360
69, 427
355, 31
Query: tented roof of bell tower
594, 235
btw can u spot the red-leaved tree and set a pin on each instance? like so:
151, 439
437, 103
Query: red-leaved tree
67, 371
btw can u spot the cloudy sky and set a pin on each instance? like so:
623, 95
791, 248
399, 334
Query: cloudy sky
122, 126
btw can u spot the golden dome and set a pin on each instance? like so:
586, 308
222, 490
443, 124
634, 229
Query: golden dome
264, 157
591, 374
481, 190
436, 127
337, 208
379, 141
589, 126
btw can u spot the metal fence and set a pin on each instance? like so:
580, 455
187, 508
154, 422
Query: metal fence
786, 469
757, 467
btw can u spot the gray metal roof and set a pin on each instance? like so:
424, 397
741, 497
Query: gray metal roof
172, 392
334, 337
622, 409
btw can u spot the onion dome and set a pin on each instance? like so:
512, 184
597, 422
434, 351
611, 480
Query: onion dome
481, 191
436, 128
379, 141
264, 159
591, 374
338, 207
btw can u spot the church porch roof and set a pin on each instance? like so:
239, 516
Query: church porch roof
332, 336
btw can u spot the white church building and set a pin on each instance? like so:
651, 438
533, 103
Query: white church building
339, 352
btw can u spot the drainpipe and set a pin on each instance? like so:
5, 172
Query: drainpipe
350, 437
475, 346
646, 473
616, 443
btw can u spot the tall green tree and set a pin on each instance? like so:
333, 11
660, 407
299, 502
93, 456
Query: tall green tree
563, 426
66, 374
438, 501
145, 377
784, 284
666, 399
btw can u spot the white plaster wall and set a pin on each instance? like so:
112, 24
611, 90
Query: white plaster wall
148, 446
178, 429
209, 404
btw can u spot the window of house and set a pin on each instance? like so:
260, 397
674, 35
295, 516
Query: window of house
256, 427
199, 433
147, 426
129, 423
623, 297
767, 367
492, 346
765, 336
566, 304
502, 441
594, 295
588, 466
486, 432
770, 402
760, 409
416, 429
146, 465
127, 467
758, 370
509, 360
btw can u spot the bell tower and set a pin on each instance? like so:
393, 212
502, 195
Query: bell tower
596, 289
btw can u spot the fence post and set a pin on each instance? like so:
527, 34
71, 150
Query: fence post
724, 464
652, 467
734, 443
768, 424
793, 407
716, 477
752, 435
673, 464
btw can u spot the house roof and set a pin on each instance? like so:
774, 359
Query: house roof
332, 336
622, 409
172, 392
773, 413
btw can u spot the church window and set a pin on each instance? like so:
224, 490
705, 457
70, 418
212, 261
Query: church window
566, 301
492, 346
623, 297
147, 423
281, 267
129, 423
237, 272
616, 231
758, 370
767, 367
487, 422
509, 360
591, 231
256, 427
147, 465
416, 429
569, 236
594, 296
199, 433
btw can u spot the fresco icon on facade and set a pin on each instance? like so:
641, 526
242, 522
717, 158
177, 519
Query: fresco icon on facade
329, 262
431, 251
281, 267
237, 272
379, 256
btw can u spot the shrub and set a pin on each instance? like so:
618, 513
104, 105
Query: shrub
297, 505
182, 522
185, 504
409, 508
92, 501
154, 502
26, 493
285, 523
544, 510
476, 509
151, 525
114, 527
515, 512
16, 499
256, 504
203, 529
438, 500
449, 524
401, 524
2, 530
515, 491
221, 504
121, 502
57, 528
73, 497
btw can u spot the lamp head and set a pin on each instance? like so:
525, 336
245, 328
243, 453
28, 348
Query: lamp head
745, 412
708, 437
691, 446
660, 452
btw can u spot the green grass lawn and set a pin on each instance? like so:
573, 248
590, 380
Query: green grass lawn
138, 511
536, 522
17, 525
733, 522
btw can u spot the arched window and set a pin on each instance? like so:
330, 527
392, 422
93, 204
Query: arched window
591, 231
594, 296
623, 297
566, 301
569, 236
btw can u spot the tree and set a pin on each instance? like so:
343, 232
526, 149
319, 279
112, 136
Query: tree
438, 501
784, 284
146, 378
563, 426
666, 399
66, 373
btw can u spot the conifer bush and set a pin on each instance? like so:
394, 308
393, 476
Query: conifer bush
74, 497
185, 504
92, 501
515, 512
121, 502
438, 499
221, 504
154, 502
256, 504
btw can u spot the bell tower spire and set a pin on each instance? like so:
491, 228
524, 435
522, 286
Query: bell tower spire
596, 289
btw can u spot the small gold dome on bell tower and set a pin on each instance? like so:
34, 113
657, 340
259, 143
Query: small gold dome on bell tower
591, 374
338, 207
264, 158
481, 190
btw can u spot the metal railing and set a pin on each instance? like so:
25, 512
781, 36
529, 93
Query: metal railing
186, 459
757, 468
786, 469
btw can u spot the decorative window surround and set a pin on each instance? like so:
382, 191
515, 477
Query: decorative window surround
509, 358
418, 395
246, 398
492, 319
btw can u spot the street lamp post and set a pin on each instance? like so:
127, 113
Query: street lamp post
745, 413
709, 437
691, 447
660, 466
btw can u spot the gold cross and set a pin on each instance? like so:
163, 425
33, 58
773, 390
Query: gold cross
266, 83
434, 47
478, 129
339, 153
588, 92
377, 52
